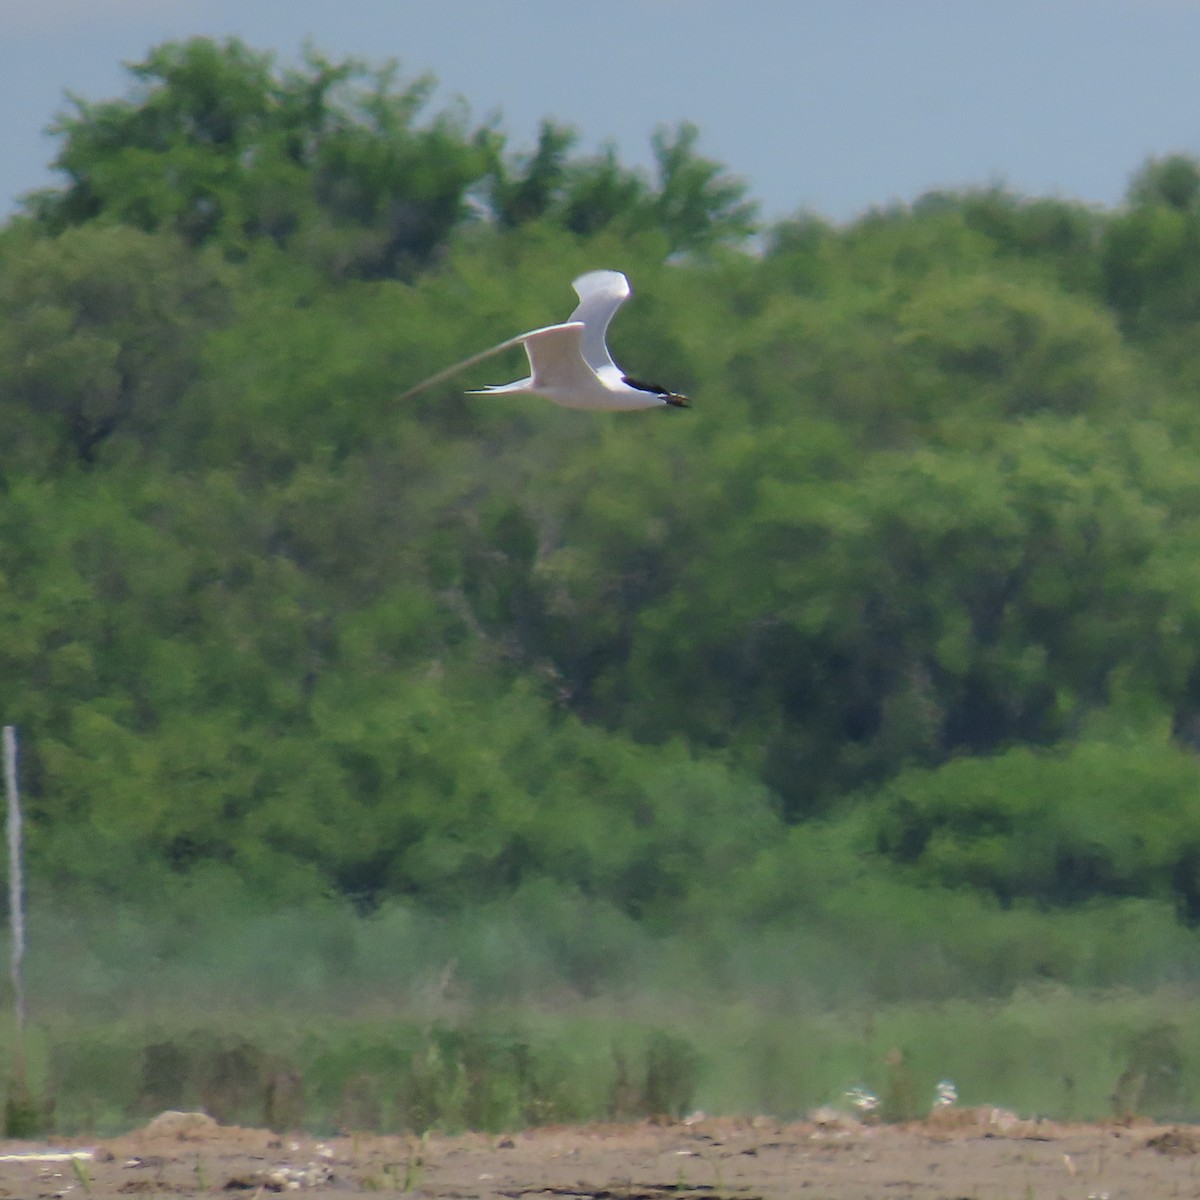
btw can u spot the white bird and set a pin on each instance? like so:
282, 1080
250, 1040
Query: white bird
570, 363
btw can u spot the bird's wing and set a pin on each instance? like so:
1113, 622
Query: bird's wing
447, 372
600, 293
556, 357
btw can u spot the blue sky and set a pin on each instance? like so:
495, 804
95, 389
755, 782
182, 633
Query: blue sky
830, 105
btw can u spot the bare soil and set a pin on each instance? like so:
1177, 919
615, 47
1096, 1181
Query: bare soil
957, 1154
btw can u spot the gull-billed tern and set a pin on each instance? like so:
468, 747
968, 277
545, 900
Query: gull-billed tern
570, 363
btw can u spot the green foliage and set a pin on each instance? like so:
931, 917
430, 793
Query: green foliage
101, 333
1045, 1050
216, 146
331, 163
1150, 253
1014, 349
881, 661
23, 1117
365, 1075
1055, 828
692, 201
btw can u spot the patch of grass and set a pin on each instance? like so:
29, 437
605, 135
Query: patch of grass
1055, 1053
24, 1117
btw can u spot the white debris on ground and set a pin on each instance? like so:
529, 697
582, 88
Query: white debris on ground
29, 1156
302, 1166
828, 1119
863, 1100
288, 1178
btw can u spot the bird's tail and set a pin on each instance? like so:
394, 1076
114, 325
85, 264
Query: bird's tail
521, 385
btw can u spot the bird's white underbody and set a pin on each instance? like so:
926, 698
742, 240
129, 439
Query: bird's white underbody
569, 363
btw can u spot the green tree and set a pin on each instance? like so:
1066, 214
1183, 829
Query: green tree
1151, 251
216, 145
697, 203
692, 202
1056, 828
527, 190
333, 163
100, 334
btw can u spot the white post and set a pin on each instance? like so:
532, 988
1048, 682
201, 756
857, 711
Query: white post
16, 904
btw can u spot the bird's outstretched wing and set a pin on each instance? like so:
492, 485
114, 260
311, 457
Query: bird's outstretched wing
448, 372
555, 363
600, 293
556, 357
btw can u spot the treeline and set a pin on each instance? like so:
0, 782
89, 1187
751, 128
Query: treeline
903, 617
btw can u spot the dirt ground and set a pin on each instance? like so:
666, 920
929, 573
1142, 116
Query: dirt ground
976, 1154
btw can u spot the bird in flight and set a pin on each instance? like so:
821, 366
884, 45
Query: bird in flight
570, 363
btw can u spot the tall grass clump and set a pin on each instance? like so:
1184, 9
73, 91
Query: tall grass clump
1049, 1051
553, 1007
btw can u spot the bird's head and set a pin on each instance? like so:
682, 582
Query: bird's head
656, 389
